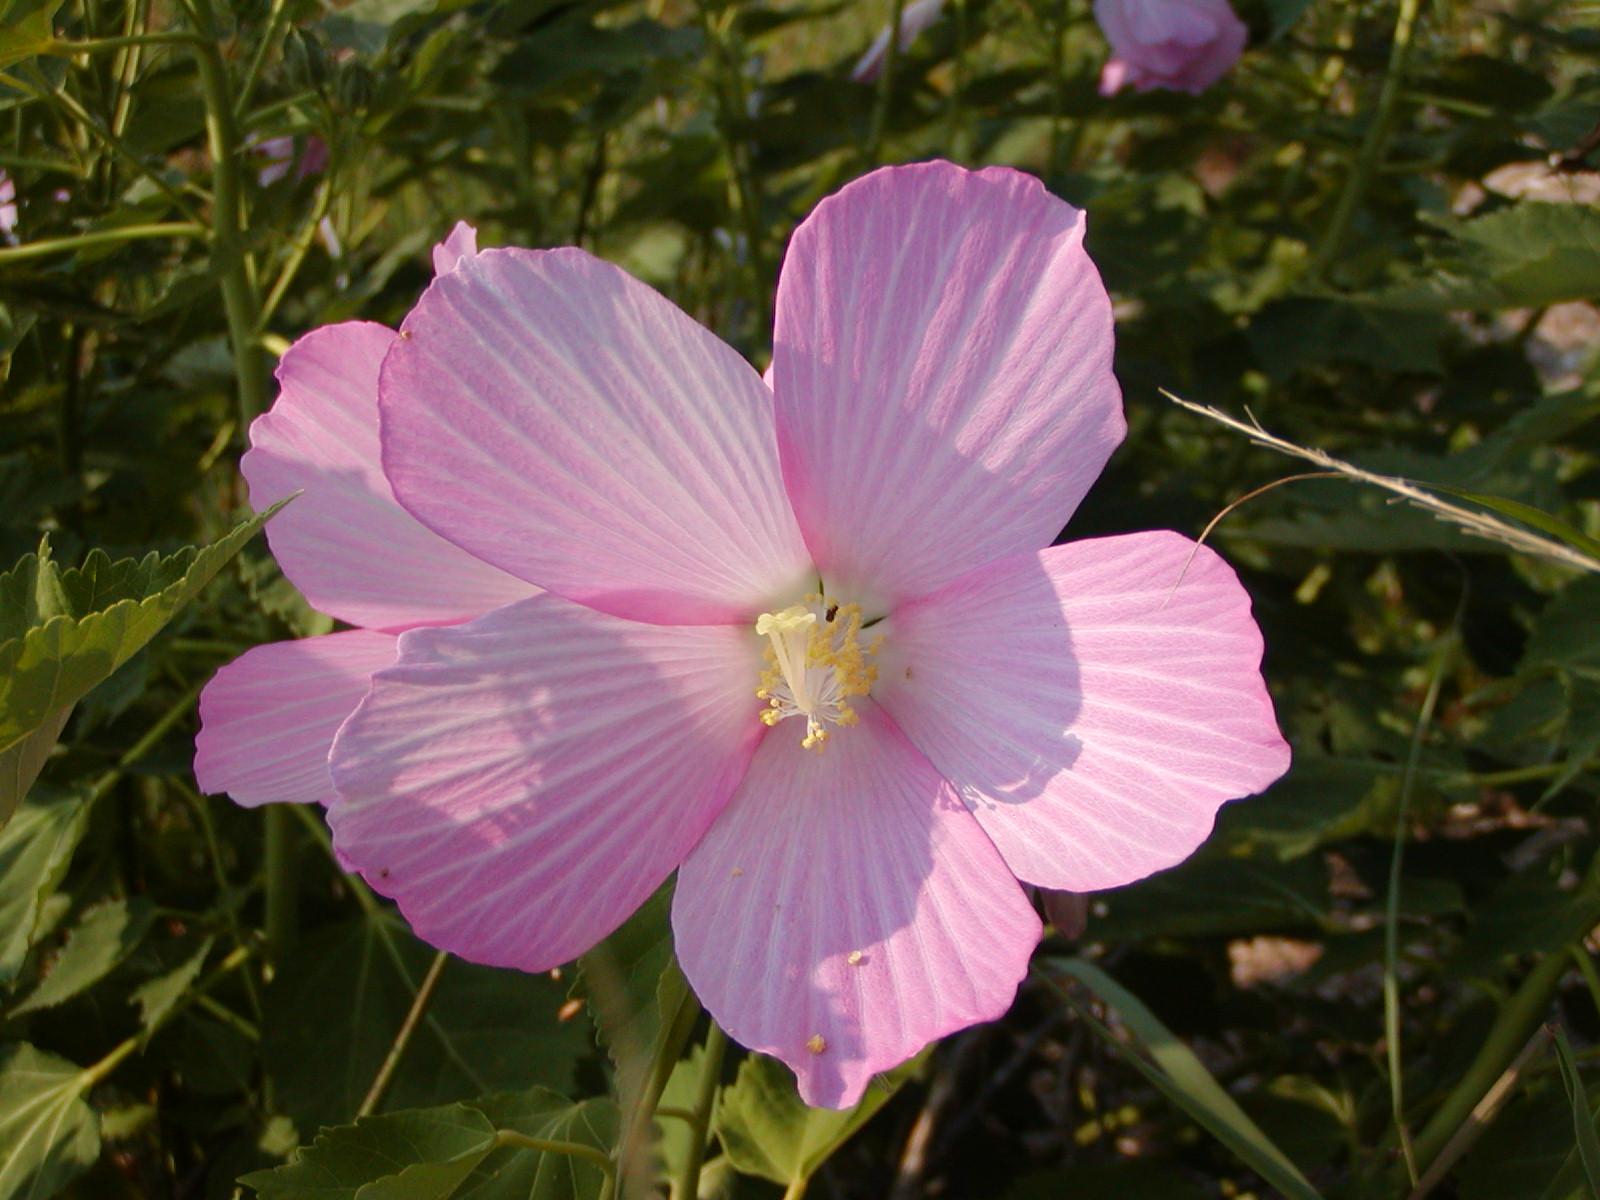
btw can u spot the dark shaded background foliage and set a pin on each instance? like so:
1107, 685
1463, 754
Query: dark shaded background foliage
1369, 249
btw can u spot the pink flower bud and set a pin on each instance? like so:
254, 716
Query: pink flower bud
1184, 45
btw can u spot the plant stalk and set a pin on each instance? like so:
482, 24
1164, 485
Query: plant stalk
419, 1005
1376, 141
880, 107
700, 1121
1517, 1021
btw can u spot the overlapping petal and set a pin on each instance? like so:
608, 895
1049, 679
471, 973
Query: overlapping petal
942, 369
267, 719
555, 416
1095, 703
344, 542
521, 783
845, 910
462, 242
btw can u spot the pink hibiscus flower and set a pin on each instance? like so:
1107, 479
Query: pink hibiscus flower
807, 644
1183, 45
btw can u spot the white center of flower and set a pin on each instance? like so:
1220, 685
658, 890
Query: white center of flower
815, 664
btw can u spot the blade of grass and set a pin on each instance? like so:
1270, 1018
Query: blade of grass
1582, 1120
1391, 915
1179, 1075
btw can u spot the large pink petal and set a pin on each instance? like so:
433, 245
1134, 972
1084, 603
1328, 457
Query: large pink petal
846, 910
1094, 711
267, 719
555, 416
345, 543
942, 367
521, 783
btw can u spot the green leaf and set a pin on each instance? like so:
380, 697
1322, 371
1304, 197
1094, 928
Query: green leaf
1529, 255
634, 988
54, 664
1528, 913
423, 1154
1180, 1075
35, 849
156, 997
1566, 633
518, 1173
21, 764
485, 1030
48, 1135
102, 938
31, 593
1529, 515
26, 28
1588, 1145
767, 1130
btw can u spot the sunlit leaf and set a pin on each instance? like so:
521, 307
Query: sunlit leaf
767, 1130
102, 938
35, 849
422, 1154
52, 665
48, 1135
519, 1173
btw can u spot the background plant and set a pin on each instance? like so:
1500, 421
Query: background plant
1377, 235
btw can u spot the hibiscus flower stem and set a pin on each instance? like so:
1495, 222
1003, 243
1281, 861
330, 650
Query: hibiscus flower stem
632, 1151
700, 1120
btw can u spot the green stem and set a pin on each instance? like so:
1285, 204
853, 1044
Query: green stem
98, 237
700, 1122
880, 107
93, 1074
230, 1018
510, 1137
227, 234
86, 121
208, 828
1376, 141
297, 254
282, 896
954, 139
147, 742
1058, 39
632, 1152
1391, 922
796, 1188
276, 19
419, 1005
1519, 1017
731, 107
96, 45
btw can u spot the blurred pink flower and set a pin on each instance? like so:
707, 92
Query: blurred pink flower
8, 208
856, 546
1184, 45
280, 152
914, 18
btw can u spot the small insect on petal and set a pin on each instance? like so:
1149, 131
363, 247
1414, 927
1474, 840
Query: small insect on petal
853, 958
816, 1043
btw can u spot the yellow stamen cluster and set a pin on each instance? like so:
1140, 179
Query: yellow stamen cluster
815, 664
